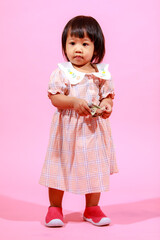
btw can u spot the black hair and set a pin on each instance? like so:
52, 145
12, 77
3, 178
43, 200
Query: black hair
80, 25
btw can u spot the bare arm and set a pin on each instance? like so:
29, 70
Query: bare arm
61, 101
66, 102
108, 103
107, 100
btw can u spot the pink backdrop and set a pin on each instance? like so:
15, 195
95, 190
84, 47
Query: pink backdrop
30, 48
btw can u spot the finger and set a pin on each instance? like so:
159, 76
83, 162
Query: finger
108, 108
99, 112
105, 115
81, 113
87, 108
84, 112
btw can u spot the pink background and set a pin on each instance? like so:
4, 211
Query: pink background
30, 48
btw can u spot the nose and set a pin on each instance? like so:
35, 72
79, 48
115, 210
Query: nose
78, 48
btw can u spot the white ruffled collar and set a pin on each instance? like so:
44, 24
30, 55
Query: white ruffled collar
75, 76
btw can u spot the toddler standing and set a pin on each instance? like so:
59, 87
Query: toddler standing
80, 155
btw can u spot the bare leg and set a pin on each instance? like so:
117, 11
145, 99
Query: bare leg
55, 197
92, 199
93, 212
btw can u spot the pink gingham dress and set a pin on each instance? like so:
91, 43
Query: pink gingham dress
80, 155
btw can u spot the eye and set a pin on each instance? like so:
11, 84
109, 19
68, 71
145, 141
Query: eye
85, 44
72, 43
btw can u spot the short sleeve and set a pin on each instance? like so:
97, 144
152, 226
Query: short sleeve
58, 83
106, 89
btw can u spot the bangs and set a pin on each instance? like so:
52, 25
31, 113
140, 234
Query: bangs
77, 32
81, 31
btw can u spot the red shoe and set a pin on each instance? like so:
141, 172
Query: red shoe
54, 217
95, 216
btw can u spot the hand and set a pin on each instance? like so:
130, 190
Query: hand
99, 112
81, 107
107, 112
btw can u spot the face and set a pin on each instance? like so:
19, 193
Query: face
79, 50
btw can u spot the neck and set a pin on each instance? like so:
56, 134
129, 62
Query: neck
87, 68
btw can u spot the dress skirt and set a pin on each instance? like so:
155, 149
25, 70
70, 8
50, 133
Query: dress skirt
80, 155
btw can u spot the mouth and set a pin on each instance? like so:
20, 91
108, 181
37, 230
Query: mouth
78, 57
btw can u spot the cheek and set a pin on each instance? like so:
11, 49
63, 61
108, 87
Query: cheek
91, 51
67, 51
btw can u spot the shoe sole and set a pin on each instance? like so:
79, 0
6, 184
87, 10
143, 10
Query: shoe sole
54, 223
103, 222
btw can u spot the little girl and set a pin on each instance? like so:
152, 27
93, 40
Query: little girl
80, 155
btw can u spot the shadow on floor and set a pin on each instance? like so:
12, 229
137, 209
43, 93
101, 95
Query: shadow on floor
124, 213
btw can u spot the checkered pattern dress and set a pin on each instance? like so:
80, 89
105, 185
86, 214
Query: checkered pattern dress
80, 155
